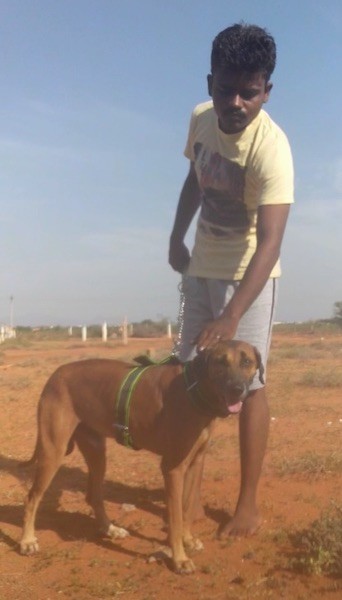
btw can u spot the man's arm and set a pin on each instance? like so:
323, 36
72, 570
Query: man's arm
188, 204
271, 225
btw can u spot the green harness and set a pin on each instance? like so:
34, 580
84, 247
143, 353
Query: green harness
126, 392
123, 404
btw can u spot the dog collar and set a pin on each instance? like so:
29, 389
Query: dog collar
198, 400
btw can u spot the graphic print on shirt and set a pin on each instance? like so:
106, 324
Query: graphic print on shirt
222, 184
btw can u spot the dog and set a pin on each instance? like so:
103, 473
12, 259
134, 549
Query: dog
171, 413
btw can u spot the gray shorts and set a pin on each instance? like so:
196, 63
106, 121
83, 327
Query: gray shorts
205, 299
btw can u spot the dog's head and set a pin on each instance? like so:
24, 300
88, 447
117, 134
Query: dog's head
228, 369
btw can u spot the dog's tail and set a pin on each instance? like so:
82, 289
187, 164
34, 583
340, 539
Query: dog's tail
25, 464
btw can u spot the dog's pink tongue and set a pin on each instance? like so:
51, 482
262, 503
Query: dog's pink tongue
235, 408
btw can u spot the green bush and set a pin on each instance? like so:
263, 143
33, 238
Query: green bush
320, 545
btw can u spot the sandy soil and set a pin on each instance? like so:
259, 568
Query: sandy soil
301, 477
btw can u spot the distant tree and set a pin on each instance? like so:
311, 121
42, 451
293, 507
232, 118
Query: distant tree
338, 309
149, 328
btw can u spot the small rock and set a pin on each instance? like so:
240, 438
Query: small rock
128, 507
238, 580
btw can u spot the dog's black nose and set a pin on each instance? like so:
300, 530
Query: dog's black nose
241, 389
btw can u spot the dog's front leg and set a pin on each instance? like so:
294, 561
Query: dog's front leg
174, 484
192, 500
92, 446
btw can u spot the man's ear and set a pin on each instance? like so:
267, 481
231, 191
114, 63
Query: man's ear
268, 87
210, 84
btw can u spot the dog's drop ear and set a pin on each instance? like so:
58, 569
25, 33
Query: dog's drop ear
143, 360
260, 365
201, 359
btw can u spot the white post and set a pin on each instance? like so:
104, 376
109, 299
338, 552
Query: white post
124, 332
169, 331
84, 333
104, 332
70, 331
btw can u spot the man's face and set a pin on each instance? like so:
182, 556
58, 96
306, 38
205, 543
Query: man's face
237, 97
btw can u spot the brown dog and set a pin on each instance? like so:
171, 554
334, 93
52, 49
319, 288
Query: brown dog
171, 414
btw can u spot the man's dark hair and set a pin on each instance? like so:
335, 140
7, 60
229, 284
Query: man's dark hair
243, 47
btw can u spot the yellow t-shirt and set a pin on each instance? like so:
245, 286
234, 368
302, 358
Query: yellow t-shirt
237, 173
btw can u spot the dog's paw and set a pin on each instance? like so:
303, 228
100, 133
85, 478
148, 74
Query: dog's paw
29, 548
193, 544
116, 532
184, 567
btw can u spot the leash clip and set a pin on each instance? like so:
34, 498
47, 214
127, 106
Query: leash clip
120, 427
191, 386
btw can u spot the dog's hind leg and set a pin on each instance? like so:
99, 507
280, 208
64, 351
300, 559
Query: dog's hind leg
49, 459
93, 448
55, 428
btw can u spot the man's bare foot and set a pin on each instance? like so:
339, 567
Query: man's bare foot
240, 525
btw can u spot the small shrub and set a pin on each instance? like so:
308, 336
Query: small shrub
320, 545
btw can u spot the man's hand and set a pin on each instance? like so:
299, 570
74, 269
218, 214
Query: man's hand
179, 256
223, 328
189, 201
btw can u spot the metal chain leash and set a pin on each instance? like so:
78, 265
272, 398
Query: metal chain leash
180, 319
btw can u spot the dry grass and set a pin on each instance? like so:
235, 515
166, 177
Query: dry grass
310, 464
302, 473
318, 379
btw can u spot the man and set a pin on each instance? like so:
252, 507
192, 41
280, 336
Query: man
241, 177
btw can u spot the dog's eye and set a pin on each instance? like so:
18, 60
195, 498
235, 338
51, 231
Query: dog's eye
245, 361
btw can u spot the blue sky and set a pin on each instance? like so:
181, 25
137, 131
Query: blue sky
95, 104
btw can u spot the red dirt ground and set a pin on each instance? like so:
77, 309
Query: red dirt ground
298, 482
